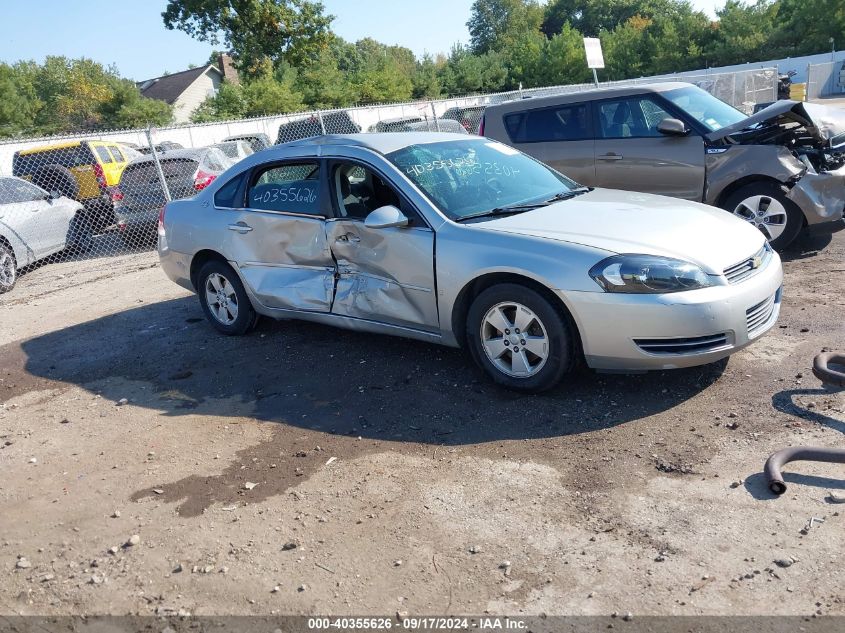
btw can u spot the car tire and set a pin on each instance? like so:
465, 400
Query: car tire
8, 268
765, 205
56, 178
224, 300
531, 363
80, 235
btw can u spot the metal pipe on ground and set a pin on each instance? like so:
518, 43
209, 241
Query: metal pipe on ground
777, 460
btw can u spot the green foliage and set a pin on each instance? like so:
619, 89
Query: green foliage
496, 24
71, 95
254, 30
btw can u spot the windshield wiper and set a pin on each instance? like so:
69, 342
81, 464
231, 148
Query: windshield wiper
512, 209
568, 195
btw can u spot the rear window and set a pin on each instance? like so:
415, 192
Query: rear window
145, 173
117, 155
560, 123
69, 157
227, 196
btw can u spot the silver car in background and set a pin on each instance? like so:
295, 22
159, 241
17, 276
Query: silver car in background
464, 241
35, 224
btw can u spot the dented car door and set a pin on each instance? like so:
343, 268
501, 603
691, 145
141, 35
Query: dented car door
279, 240
383, 274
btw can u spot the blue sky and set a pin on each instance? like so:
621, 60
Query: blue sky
131, 35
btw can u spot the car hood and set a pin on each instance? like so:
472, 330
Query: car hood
824, 124
627, 222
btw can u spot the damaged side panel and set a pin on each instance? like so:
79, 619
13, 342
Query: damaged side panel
285, 260
823, 194
738, 161
384, 275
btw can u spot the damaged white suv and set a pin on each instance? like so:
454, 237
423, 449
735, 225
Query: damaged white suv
781, 169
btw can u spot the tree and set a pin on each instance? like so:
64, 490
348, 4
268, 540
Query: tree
741, 34
254, 30
493, 24
564, 59
426, 80
806, 26
229, 103
127, 109
19, 104
270, 95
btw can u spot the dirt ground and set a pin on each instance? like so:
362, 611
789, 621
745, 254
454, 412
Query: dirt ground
304, 469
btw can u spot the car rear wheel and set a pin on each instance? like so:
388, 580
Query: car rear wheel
224, 300
8, 269
519, 338
765, 206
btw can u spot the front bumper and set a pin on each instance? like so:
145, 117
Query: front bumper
622, 332
821, 197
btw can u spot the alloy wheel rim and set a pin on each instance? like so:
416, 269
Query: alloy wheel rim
766, 213
514, 339
7, 270
221, 298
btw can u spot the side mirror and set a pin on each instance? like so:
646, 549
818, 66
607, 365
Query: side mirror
672, 127
386, 217
54, 195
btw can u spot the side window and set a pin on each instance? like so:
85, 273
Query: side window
637, 117
561, 123
215, 160
12, 190
103, 154
292, 187
358, 191
226, 196
117, 155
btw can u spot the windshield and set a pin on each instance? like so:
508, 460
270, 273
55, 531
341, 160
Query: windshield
705, 108
465, 178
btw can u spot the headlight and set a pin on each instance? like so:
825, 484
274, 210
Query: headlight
648, 274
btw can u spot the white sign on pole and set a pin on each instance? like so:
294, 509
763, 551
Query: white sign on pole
595, 59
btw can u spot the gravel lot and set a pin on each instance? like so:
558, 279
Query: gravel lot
309, 470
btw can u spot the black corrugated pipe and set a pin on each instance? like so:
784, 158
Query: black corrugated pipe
822, 370
795, 453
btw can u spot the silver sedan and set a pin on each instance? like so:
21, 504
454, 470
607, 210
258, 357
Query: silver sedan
467, 242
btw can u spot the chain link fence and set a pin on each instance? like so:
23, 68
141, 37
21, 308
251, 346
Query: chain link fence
68, 201
825, 80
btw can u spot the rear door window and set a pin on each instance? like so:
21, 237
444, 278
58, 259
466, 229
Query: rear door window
560, 123
291, 187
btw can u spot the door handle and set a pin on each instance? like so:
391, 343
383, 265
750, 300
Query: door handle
348, 238
610, 157
240, 227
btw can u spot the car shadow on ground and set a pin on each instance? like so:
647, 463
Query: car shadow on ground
343, 391
339, 381
806, 246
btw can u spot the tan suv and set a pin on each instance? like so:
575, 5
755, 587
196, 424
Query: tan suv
781, 169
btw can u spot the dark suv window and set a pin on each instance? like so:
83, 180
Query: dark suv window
559, 123
70, 157
292, 187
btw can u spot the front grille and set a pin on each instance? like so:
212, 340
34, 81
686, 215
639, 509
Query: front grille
757, 316
748, 267
693, 345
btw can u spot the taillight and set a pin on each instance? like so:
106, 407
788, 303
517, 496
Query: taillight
481, 126
101, 177
203, 179
116, 194
161, 220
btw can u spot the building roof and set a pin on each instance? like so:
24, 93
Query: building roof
170, 87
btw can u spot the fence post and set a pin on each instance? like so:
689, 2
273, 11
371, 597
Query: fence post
322, 125
434, 114
158, 165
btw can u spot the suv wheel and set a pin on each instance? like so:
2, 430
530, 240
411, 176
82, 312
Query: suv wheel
765, 205
8, 269
519, 338
224, 300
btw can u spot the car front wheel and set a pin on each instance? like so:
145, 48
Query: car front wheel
224, 300
765, 206
519, 338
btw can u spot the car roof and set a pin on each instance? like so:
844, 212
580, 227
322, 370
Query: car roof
586, 95
381, 142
